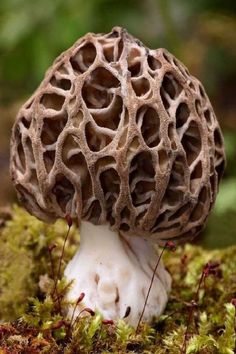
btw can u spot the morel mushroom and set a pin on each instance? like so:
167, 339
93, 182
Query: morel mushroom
124, 139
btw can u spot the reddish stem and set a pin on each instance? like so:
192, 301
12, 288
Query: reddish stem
208, 269
151, 283
50, 249
62, 253
82, 295
86, 309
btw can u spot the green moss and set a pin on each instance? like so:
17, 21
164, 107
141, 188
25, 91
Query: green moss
24, 257
43, 328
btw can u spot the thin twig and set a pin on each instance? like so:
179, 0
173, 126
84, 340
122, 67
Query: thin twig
191, 312
150, 286
82, 295
61, 258
208, 269
51, 263
50, 249
86, 309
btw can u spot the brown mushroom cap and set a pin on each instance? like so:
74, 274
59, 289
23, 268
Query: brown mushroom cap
122, 134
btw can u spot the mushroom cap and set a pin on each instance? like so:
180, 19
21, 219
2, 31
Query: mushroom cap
119, 133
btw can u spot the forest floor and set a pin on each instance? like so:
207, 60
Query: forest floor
199, 318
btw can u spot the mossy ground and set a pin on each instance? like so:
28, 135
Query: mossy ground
33, 320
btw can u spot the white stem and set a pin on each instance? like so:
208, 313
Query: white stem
115, 272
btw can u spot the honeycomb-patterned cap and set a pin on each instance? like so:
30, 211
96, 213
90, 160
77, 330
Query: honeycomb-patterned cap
122, 134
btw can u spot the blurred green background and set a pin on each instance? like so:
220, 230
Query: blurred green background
201, 33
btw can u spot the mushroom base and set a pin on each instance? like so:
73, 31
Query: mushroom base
114, 272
